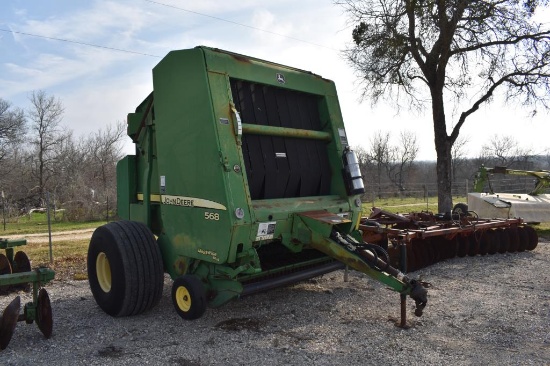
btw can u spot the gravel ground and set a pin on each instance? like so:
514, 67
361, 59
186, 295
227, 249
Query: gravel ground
491, 310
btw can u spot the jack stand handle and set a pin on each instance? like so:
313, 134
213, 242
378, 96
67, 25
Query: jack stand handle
346, 274
403, 323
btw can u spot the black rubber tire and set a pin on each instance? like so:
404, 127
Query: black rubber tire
461, 209
189, 297
136, 274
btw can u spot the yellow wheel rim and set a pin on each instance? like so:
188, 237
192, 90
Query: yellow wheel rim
183, 299
103, 271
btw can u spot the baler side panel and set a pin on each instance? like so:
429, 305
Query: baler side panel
126, 185
187, 147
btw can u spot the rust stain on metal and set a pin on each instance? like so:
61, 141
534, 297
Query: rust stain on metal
241, 58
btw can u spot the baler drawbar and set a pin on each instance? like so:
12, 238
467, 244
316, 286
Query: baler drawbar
243, 180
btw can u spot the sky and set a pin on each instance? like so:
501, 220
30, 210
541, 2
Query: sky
99, 86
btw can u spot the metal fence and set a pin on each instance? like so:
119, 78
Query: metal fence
459, 188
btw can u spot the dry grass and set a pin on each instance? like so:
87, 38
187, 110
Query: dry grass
69, 258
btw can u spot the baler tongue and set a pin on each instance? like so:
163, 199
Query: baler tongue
325, 234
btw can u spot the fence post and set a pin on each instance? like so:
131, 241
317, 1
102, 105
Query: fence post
4, 210
49, 225
425, 195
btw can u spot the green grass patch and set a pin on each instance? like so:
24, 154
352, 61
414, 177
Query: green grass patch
543, 230
37, 222
406, 204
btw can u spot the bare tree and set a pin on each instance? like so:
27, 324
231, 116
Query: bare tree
505, 151
379, 154
402, 158
105, 151
12, 127
436, 53
45, 115
458, 154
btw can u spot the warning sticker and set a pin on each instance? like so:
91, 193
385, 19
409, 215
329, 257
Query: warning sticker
266, 230
343, 137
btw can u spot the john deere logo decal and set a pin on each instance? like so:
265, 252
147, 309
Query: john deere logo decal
281, 78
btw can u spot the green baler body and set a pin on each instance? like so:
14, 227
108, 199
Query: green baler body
229, 151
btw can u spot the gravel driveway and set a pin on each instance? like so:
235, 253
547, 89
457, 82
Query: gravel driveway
491, 310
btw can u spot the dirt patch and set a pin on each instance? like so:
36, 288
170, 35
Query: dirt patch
58, 236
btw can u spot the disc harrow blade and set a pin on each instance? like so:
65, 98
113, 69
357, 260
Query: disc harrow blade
463, 246
504, 239
44, 318
21, 263
523, 239
494, 241
5, 268
532, 236
514, 239
484, 242
473, 249
9, 321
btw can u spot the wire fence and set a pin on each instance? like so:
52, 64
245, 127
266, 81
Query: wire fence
422, 192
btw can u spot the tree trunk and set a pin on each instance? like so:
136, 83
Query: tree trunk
444, 193
443, 149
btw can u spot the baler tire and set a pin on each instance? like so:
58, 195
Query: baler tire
189, 297
125, 268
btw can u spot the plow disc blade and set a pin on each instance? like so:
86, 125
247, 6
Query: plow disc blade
44, 318
5, 268
9, 321
21, 263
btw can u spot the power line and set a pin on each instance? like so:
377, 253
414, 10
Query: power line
240, 24
150, 55
79, 42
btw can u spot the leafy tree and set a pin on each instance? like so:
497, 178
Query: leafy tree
457, 52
